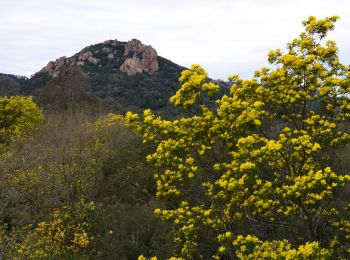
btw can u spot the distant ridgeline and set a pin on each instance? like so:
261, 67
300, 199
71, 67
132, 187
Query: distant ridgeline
119, 75
114, 76
11, 84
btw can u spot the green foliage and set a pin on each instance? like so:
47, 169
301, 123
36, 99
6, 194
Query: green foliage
62, 165
8, 86
68, 92
127, 230
120, 92
75, 157
8, 241
255, 177
17, 115
56, 166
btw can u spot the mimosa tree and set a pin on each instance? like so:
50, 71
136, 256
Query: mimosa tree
258, 176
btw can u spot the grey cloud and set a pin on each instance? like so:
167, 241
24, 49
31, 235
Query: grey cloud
224, 36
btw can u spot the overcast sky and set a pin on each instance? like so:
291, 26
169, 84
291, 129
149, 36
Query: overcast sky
226, 37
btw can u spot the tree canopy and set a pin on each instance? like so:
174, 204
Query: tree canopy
17, 115
260, 175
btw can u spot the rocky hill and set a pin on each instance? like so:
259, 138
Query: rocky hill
121, 75
133, 56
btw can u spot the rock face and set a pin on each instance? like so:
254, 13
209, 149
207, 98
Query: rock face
53, 67
132, 66
144, 58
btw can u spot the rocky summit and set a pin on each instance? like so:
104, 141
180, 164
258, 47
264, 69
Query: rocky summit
121, 75
118, 76
139, 58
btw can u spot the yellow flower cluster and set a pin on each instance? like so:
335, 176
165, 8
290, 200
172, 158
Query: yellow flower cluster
250, 247
194, 82
260, 158
67, 232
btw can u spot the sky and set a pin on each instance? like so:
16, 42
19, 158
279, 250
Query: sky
225, 36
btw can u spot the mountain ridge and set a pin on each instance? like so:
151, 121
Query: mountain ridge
121, 75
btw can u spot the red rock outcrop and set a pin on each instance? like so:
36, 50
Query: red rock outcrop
144, 58
53, 67
132, 66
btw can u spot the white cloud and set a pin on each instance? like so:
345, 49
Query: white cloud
224, 36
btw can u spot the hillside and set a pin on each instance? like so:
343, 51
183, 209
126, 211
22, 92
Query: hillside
112, 76
121, 75
11, 84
